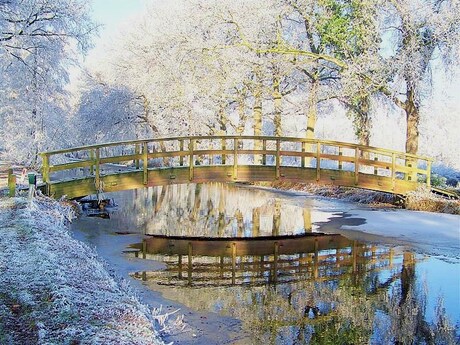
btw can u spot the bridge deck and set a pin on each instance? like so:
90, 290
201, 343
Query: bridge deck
134, 164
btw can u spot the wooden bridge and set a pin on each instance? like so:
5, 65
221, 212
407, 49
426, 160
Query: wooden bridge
80, 171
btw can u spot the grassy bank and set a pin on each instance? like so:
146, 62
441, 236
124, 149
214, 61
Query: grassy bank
419, 200
55, 290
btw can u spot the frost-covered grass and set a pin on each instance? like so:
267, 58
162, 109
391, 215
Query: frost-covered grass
423, 200
419, 200
55, 290
346, 193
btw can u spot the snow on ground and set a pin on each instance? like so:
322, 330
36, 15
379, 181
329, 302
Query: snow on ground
55, 290
435, 233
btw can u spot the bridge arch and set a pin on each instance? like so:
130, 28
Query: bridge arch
116, 166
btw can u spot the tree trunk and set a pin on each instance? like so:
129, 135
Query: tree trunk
412, 133
222, 119
257, 120
413, 120
242, 115
363, 123
277, 105
312, 113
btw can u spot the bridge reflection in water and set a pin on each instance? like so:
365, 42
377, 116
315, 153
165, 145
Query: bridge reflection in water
260, 261
256, 257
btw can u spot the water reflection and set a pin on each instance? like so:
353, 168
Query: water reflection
259, 261
300, 287
214, 210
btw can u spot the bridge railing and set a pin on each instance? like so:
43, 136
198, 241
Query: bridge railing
279, 152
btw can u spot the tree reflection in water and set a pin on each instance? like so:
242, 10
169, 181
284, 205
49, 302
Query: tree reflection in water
323, 290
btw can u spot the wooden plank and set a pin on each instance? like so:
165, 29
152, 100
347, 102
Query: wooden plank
68, 166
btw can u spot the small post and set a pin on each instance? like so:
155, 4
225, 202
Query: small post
145, 161
97, 176
181, 148
393, 171
190, 148
137, 151
224, 147
340, 156
318, 161
11, 183
356, 165
278, 158
264, 155
375, 168
428, 174
302, 158
235, 158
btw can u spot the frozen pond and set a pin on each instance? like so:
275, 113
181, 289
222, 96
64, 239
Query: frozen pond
284, 268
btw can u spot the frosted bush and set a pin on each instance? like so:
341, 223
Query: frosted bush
57, 286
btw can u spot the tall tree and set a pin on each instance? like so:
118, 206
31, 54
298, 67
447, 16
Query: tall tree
37, 44
422, 31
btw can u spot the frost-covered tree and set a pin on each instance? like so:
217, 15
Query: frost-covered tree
38, 41
421, 32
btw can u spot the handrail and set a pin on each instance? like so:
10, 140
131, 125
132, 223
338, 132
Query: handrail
210, 137
359, 156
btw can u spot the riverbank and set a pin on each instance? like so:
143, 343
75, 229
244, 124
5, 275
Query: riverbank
55, 289
419, 200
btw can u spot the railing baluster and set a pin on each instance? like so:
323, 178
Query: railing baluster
278, 159
137, 151
340, 156
97, 177
375, 167
190, 148
318, 161
235, 158
264, 148
91, 157
145, 152
181, 148
393, 171
428, 173
302, 158
356, 165
224, 147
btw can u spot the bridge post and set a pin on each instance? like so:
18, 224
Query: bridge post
190, 148
375, 168
46, 172
145, 161
356, 165
235, 158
